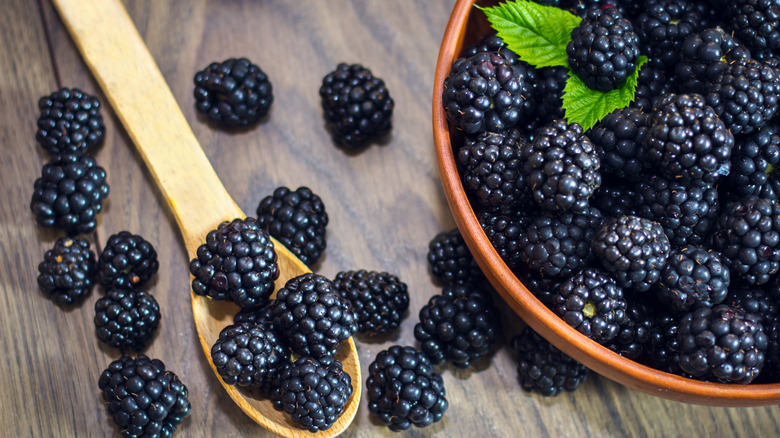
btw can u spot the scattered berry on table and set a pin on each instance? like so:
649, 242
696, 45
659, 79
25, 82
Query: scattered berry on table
450, 259
693, 275
249, 354
70, 122
379, 299
67, 271
127, 319
128, 261
544, 369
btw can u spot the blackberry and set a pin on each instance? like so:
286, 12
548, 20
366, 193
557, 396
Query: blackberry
357, 105
127, 319
593, 303
233, 93
548, 92
704, 56
237, 263
687, 140
634, 334
662, 27
314, 391
652, 84
504, 230
259, 315
744, 95
70, 122
483, 93
558, 244
249, 354
70, 194
619, 139
615, 198
663, 346
143, 398
542, 287
721, 343
561, 167
693, 275
604, 49
490, 166
67, 271
297, 219
312, 316
755, 301
450, 259
748, 236
756, 22
379, 299
633, 249
459, 325
544, 369
127, 261
754, 163
686, 212
403, 389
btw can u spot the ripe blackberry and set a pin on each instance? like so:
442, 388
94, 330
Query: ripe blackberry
755, 160
544, 369
259, 315
687, 140
70, 122
67, 271
663, 346
504, 230
459, 325
593, 303
619, 139
542, 287
70, 194
143, 398
744, 95
748, 236
450, 259
633, 250
756, 301
483, 93
127, 319
704, 56
237, 263
233, 93
561, 167
603, 49
297, 219
614, 198
756, 22
490, 167
721, 343
548, 92
249, 354
662, 26
559, 244
127, 261
314, 391
312, 317
357, 105
379, 299
652, 84
693, 275
404, 390
634, 334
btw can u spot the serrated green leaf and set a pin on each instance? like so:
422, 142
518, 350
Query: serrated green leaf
587, 106
537, 33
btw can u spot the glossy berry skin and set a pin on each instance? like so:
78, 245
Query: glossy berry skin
67, 271
756, 22
705, 55
619, 139
379, 299
754, 164
69, 122
504, 229
662, 27
249, 354
544, 369
128, 261
450, 259
693, 275
127, 319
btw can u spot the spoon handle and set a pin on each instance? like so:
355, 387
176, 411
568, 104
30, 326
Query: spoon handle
131, 81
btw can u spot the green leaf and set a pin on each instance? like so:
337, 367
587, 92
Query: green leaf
537, 33
587, 106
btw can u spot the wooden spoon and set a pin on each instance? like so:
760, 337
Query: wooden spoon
120, 61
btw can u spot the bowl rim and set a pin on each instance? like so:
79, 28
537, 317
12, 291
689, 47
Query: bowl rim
541, 319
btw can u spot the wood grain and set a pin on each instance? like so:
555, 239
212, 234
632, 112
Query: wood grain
384, 204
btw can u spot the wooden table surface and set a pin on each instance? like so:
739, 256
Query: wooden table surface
384, 203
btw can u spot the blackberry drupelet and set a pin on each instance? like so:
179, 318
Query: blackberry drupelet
704, 56
504, 230
693, 275
127, 261
755, 160
548, 92
67, 271
687, 140
652, 84
619, 139
721, 343
127, 319
312, 317
756, 22
259, 315
70, 194
249, 354
633, 250
756, 301
614, 198
357, 105
491, 168
450, 259
483, 93
237, 263
379, 299
593, 303
314, 391
459, 325
543, 288
143, 398
404, 390
544, 369
233, 93
70, 122
297, 219
561, 167
634, 335
663, 346
662, 26
604, 49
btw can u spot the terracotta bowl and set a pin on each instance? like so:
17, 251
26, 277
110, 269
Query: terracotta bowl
467, 25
